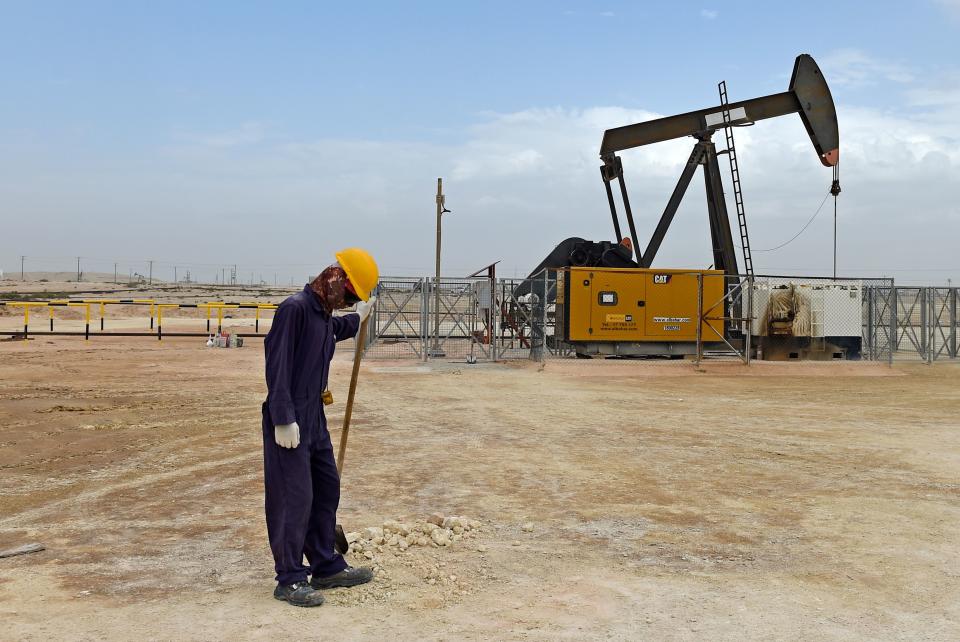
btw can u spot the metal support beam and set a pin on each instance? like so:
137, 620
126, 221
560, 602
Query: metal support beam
613, 204
724, 253
626, 205
672, 205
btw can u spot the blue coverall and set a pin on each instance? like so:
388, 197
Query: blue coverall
302, 487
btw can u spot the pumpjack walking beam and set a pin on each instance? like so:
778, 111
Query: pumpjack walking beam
807, 95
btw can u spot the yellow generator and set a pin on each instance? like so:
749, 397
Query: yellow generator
636, 311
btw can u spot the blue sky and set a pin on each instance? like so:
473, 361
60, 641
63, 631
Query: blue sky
269, 134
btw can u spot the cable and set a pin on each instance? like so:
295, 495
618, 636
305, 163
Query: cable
802, 229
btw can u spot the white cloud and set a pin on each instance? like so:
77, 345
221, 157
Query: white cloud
520, 182
709, 14
607, 14
853, 67
517, 183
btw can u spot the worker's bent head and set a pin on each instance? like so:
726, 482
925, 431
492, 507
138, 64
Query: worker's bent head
362, 272
351, 279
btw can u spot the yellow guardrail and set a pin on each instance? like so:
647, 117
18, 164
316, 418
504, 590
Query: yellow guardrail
156, 312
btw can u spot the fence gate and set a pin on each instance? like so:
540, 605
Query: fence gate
879, 320
464, 320
398, 325
942, 316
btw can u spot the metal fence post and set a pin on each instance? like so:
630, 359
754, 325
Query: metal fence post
924, 325
495, 330
424, 316
952, 302
492, 319
543, 321
893, 341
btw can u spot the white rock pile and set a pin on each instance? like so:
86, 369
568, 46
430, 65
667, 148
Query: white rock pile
436, 531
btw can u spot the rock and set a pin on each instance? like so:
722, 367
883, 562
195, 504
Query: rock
368, 555
429, 527
436, 518
527, 527
440, 537
352, 537
481, 548
389, 526
403, 529
422, 541
474, 524
454, 522
456, 537
402, 545
394, 539
458, 530
372, 532
453, 578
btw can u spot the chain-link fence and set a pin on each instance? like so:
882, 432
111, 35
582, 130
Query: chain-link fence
405, 323
925, 325
766, 317
809, 318
398, 323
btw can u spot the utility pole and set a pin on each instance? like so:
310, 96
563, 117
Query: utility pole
114, 273
435, 351
22, 259
174, 274
78, 269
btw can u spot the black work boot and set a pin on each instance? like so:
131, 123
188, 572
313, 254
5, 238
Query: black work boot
298, 594
349, 576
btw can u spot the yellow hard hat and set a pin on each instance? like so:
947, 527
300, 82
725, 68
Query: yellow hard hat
361, 269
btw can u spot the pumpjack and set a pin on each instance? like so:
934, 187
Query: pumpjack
615, 301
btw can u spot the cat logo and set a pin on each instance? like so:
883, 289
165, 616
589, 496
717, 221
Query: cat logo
661, 279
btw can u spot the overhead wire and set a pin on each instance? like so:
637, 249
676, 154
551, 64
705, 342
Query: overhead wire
802, 229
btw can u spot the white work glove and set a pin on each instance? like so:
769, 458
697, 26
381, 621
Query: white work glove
364, 308
287, 435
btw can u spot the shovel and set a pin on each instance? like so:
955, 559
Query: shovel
340, 541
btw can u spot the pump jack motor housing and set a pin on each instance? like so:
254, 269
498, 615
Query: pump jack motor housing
807, 95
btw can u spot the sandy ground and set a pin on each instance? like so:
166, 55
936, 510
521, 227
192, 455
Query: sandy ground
783, 501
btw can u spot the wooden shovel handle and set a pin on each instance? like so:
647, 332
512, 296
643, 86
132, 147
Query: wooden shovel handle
348, 413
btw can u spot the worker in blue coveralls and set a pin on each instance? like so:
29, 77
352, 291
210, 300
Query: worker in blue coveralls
301, 483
